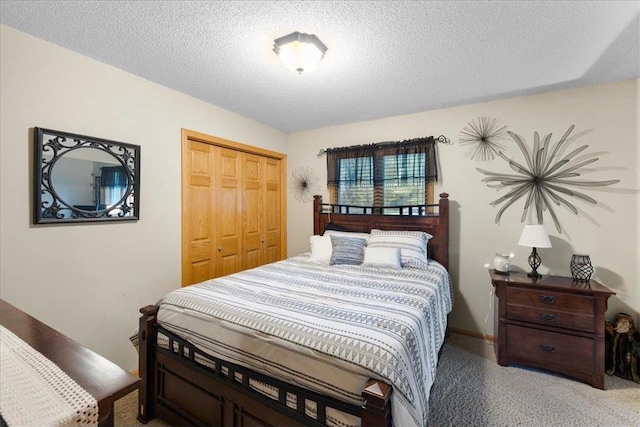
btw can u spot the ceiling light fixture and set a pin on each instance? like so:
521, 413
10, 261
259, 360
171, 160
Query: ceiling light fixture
299, 51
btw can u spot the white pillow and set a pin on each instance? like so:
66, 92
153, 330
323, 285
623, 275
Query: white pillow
412, 244
381, 257
321, 248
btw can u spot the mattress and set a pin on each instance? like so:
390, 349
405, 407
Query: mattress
326, 328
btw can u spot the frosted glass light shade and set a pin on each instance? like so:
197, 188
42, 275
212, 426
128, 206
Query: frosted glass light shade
534, 236
299, 52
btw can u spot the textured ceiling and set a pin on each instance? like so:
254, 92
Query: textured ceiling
385, 58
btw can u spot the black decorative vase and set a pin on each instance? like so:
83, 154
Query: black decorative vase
581, 268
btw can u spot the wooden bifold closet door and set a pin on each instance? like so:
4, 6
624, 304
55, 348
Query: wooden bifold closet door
233, 207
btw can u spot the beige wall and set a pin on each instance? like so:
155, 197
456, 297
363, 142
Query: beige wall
637, 115
606, 118
89, 280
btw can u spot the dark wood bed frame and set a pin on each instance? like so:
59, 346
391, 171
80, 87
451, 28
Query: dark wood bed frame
183, 392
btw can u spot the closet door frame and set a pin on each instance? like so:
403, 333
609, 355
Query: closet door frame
190, 135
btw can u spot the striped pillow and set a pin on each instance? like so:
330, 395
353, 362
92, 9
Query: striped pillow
347, 250
412, 244
352, 234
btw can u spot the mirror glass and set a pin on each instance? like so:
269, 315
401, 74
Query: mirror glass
82, 178
77, 178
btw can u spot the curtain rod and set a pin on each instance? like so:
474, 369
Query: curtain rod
441, 139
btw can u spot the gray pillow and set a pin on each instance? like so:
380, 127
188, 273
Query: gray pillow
347, 250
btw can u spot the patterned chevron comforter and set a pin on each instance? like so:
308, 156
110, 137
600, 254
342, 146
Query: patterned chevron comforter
326, 328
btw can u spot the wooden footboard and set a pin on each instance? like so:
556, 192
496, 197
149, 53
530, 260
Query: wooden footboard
177, 388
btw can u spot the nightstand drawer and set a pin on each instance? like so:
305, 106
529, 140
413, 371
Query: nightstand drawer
538, 298
551, 350
544, 316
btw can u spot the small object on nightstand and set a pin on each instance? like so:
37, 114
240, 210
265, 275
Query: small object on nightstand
581, 268
502, 263
534, 236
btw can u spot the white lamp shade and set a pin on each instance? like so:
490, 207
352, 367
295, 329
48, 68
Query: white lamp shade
299, 52
534, 236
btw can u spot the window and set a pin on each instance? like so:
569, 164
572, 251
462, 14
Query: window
383, 175
355, 186
114, 183
404, 180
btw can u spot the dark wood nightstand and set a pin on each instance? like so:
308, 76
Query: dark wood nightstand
552, 323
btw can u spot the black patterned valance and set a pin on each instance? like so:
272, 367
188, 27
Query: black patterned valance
368, 161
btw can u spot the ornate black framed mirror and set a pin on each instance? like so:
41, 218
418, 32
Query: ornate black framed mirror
81, 178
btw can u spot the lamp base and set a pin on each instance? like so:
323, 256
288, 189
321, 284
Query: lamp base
534, 262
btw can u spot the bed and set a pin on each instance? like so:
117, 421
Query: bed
297, 343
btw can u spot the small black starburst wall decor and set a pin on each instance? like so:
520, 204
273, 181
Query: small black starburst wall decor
304, 182
546, 180
482, 138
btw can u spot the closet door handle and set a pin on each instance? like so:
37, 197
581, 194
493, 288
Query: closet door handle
219, 248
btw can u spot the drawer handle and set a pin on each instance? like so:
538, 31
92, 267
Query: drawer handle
548, 299
548, 348
548, 317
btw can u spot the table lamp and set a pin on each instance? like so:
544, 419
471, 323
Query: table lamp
534, 236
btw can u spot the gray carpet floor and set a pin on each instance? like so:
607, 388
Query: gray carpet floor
471, 389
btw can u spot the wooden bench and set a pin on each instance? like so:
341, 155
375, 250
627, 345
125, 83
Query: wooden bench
104, 380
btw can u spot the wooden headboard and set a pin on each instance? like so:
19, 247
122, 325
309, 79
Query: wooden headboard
434, 219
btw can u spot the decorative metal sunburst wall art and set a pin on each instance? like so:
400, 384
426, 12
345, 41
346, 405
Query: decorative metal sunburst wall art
544, 180
482, 138
304, 183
